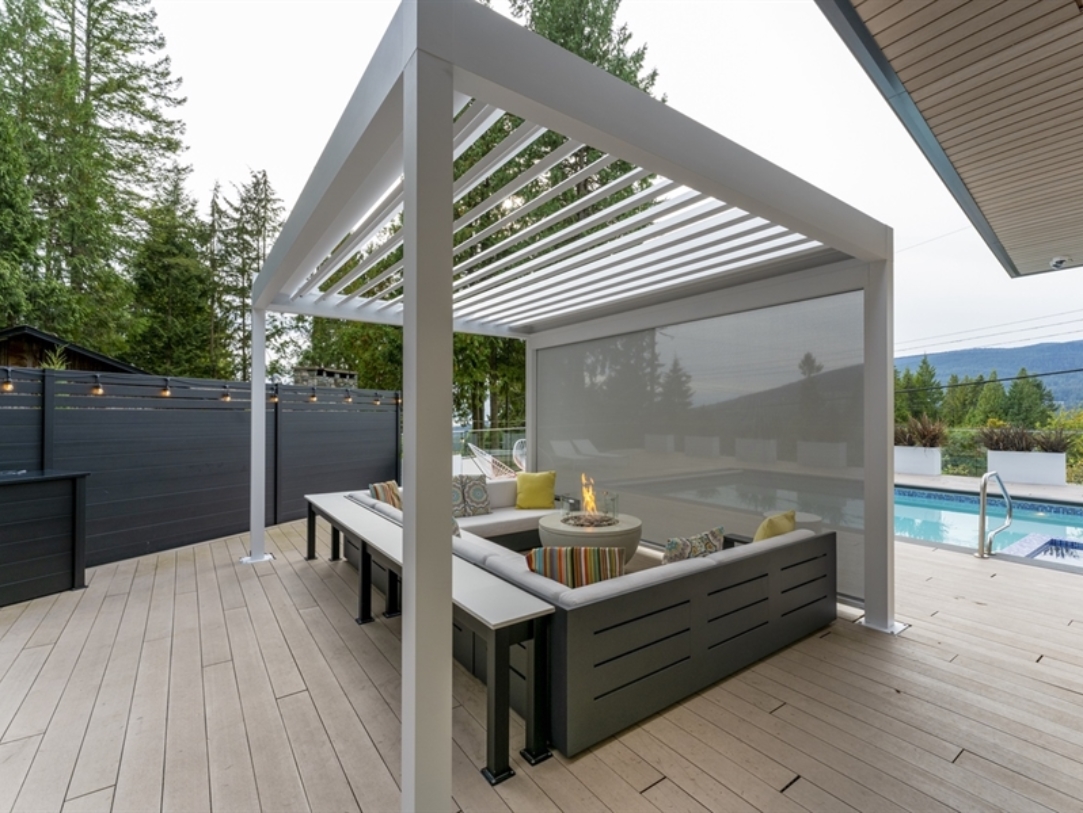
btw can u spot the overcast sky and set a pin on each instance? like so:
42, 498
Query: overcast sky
266, 81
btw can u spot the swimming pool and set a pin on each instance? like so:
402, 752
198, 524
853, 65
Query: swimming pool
951, 518
1039, 530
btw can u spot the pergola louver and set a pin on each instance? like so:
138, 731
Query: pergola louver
663, 209
633, 227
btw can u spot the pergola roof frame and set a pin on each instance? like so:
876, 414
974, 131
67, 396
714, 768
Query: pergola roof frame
393, 150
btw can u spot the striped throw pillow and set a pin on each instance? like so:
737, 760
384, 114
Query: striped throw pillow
387, 492
577, 567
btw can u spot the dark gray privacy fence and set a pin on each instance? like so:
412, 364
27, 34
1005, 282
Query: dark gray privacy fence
169, 458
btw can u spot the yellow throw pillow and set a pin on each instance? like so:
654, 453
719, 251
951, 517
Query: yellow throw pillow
535, 489
776, 525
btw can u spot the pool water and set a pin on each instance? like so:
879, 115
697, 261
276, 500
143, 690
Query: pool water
951, 518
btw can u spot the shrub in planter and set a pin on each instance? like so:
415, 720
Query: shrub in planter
1053, 440
917, 446
998, 438
1015, 453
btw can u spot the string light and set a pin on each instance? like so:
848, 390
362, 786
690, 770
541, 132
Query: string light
97, 389
398, 399
166, 391
225, 393
376, 399
8, 385
312, 398
274, 395
349, 398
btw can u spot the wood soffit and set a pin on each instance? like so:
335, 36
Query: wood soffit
1000, 84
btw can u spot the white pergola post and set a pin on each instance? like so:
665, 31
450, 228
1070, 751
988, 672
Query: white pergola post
879, 451
259, 438
427, 365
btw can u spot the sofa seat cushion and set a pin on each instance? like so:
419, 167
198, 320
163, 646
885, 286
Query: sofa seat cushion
503, 521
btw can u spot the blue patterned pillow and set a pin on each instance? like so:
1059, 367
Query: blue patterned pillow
469, 496
689, 547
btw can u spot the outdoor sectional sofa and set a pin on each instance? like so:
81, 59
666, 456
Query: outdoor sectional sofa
626, 648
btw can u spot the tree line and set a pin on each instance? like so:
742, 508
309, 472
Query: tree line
972, 402
102, 243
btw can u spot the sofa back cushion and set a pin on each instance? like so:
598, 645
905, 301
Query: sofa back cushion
502, 493
577, 567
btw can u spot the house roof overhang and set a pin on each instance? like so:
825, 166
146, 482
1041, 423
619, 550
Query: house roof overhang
993, 95
693, 211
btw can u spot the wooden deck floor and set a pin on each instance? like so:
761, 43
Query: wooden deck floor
186, 681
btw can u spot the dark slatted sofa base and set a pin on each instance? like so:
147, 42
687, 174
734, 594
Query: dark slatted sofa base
617, 661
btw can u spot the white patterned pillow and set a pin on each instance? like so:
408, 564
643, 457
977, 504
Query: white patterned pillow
469, 496
689, 547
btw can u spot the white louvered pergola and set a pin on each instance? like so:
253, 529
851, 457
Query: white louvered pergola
688, 214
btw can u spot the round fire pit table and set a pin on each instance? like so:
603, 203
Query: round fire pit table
625, 534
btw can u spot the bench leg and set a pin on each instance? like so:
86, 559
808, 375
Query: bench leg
336, 544
311, 532
393, 608
498, 699
537, 694
364, 586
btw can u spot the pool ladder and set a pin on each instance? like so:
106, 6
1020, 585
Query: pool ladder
985, 542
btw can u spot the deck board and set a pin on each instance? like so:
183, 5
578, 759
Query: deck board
188, 681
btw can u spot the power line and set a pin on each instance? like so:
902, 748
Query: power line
933, 239
937, 336
1079, 329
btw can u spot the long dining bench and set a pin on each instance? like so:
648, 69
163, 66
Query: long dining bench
498, 613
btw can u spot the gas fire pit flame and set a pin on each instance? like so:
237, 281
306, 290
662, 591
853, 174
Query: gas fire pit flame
589, 517
589, 505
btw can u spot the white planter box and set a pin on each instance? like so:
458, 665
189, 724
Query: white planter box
757, 450
818, 455
660, 444
917, 460
701, 446
1032, 468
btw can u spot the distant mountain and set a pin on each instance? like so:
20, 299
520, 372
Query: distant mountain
1037, 358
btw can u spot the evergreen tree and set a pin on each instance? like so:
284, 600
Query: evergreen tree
925, 394
1029, 402
903, 383
675, 389
249, 225
808, 366
126, 84
954, 408
173, 288
990, 402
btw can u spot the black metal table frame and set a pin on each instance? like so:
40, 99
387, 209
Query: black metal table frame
533, 633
